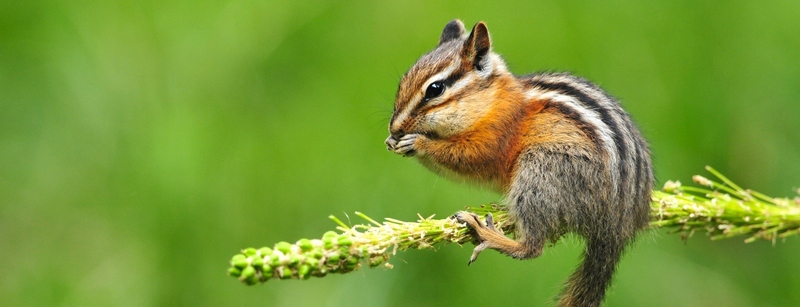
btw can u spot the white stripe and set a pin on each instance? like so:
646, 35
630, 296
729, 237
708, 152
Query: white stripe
601, 128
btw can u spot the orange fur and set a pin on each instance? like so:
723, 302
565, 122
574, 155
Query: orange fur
487, 153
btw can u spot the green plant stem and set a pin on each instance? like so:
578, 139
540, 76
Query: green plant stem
722, 210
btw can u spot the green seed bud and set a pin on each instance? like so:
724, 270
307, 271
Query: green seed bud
239, 261
375, 261
329, 234
327, 242
303, 271
250, 251
293, 260
352, 263
251, 281
334, 258
248, 275
319, 273
312, 262
256, 261
305, 245
234, 271
284, 247
276, 260
267, 271
287, 273
344, 241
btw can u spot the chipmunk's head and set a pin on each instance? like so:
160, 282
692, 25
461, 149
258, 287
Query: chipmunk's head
451, 87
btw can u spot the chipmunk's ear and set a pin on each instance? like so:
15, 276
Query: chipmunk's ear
477, 46
453, 30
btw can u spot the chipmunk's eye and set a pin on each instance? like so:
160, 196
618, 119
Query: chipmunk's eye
434, 90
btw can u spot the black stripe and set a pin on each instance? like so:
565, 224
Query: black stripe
568, 89
569, 113
455, 76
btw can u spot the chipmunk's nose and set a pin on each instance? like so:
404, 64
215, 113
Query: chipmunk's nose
394, 137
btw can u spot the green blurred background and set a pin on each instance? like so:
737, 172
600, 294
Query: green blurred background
143, 144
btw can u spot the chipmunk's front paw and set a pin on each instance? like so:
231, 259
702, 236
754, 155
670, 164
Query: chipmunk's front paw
405, 146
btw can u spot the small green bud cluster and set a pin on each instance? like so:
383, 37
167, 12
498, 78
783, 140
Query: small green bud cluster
334, 253
346, 251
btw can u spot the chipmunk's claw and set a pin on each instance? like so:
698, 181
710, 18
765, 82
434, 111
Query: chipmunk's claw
476, 251
474, 223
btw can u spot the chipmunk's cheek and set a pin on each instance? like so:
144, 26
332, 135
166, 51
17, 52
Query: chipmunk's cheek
451, 123
426, 124
429, 124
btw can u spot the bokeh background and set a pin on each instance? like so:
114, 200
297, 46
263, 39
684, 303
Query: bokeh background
143, 143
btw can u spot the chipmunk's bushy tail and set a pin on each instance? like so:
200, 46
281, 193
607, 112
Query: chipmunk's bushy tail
587, 285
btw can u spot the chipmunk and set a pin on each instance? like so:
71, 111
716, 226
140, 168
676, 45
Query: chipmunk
565, 155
